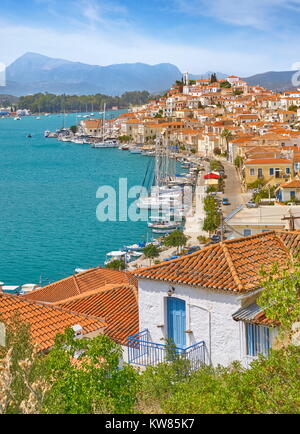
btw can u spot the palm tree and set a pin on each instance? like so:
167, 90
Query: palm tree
227, 135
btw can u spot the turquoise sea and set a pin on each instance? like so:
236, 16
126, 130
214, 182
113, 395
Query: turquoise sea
48, 223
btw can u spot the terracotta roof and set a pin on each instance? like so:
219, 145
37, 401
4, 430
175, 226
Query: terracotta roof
117, 304
295, 183
80, 283
229, 266
46, 321
268, 161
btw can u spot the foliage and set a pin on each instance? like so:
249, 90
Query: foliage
217, 151
258, 183
213, 78
238, 162
51, 103
280, 299
125, 139
213, 218
265, 193
116, 265
225, 84
211, 189
85, 377
21, 388
176, 239
271, 386
237, 92
215, 165
74, 129
151, 251
202, 239
293, 108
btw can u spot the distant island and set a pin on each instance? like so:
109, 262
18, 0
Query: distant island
51, 103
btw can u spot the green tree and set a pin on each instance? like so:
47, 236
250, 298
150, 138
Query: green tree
176, 239
74, 129
238, 162
225, 84
86, 377
270, 386
227, 135
293, 108
213, 78
280, 298
151, 251
116, 265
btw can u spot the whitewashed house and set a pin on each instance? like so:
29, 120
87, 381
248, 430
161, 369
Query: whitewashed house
205, 303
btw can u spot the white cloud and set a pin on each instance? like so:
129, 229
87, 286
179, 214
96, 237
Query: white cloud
260, 14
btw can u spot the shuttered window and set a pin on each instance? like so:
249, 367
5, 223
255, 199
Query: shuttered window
257, 339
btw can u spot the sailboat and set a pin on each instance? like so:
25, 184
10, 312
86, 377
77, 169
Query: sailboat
162, 197
111, 143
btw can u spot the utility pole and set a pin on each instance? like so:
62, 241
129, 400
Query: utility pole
291, 220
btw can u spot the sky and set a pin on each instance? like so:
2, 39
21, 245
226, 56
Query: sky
243, 37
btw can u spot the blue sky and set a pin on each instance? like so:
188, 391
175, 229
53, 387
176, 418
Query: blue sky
231, 36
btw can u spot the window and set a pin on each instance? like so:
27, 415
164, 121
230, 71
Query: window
247, 232
252, 172
257, 340
287, 171
277, 173
293, 195
271, 172
260, 173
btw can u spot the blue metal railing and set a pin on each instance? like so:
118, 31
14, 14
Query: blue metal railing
143, 352
233, 213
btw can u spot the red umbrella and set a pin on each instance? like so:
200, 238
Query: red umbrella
211, 176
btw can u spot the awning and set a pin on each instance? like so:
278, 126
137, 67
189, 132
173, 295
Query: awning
248, 313
211, 176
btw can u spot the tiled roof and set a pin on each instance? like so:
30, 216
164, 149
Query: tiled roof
229, 266
80, 283
295, 183
268, 161
46, 321
117, 304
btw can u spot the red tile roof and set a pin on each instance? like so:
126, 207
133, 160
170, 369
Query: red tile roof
79, 284
46, 321
117, 304
232, 266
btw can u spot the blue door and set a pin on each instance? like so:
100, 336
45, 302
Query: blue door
176, 321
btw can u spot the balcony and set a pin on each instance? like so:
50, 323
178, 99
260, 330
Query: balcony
143, 352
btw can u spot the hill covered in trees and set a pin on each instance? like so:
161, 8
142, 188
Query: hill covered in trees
51, 103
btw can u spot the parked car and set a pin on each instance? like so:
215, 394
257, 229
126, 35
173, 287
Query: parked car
225, 201
251, 204
216, 239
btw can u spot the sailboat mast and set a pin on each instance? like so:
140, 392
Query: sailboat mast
103, 126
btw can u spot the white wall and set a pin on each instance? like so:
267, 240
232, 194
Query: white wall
208, 316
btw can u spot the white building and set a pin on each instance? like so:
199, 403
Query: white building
205, 302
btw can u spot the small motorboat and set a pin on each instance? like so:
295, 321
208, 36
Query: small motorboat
117, 256
29, 136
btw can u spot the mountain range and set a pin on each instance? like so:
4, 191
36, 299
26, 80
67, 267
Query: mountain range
32, 73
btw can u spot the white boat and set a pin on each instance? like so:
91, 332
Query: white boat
165, 225
163, 231
37, 118
17, 118
136, 254
106, 144
117, 256
80, 270
135, 151
47, 133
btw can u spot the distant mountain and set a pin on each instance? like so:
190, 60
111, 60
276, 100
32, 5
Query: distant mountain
32, 73
274, 80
